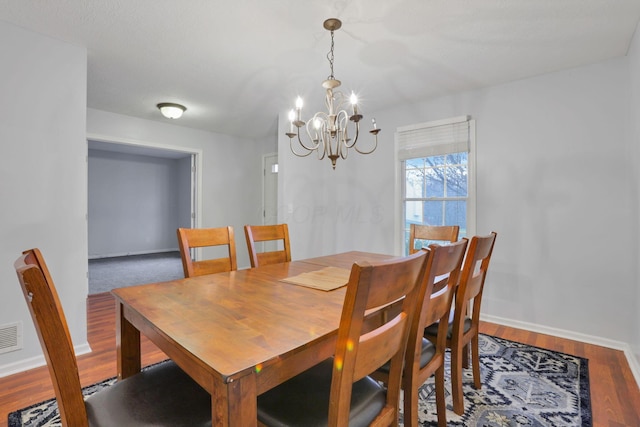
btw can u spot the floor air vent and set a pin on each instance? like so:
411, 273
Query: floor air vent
10, 337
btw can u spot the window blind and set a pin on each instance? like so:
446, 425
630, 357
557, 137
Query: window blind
433, 138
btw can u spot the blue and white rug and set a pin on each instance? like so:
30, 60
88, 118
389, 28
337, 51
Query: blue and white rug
521, 386
46, 413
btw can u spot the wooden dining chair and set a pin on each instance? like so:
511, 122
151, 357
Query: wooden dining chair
189, 238
463, 330
424, 358
339, 391
278, 233
431, 233
161, 395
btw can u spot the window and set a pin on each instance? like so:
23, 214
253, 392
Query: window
437, 175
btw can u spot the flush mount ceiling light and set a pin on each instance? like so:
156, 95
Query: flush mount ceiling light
328, 131
171, 110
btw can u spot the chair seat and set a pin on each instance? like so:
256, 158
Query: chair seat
432, 330
162, 395
304, 400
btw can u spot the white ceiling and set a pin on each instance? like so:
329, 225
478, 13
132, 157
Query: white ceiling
236, 64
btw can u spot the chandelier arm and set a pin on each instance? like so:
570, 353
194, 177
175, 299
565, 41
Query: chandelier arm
344, 123
340, 100
344, 148
294, 151
316, 127
375, 138
300, 140
353, 144
323, 154
320, 134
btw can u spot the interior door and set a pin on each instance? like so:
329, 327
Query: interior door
270, 194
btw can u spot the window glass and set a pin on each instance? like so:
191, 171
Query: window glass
436, 191
415, 163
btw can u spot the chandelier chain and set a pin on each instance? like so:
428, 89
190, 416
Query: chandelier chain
330, 58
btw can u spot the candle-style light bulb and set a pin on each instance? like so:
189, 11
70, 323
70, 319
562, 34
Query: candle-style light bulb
373, 121
299, 108
354, 102
292, 117
317, 124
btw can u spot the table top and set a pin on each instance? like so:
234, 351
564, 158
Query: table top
243, 321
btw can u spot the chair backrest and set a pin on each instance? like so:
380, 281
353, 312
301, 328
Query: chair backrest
189, 238
51, 325
265, 233
444, 261
472, 277
431, 233
361, 349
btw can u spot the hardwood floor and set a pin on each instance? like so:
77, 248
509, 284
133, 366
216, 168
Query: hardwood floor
615, 397
33, 386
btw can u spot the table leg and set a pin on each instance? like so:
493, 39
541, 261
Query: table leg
235, 403
127, 345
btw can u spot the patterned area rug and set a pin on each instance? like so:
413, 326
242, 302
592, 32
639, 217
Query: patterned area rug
521, 386
46, 413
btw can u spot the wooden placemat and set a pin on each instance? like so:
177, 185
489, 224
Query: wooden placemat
326, 279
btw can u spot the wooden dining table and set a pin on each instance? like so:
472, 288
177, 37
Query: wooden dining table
237, 334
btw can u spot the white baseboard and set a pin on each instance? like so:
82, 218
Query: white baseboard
113, 255
634, 364
35, 362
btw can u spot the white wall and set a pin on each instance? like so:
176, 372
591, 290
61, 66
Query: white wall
329, 211
43, 185
553, 180
135, 202
230, 192
634, 153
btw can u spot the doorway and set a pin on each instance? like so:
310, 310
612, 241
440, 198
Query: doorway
138, 195
269, 197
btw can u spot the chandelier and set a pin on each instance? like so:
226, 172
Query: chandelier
328, 132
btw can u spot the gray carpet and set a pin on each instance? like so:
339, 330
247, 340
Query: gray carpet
106, 274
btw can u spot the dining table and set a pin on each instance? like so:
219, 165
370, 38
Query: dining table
239, 333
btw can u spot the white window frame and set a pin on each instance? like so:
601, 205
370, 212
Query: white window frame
399, 185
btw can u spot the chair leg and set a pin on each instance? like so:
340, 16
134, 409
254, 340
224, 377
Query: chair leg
456, 380
411, 406
441, 406
465, 356
475, 361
